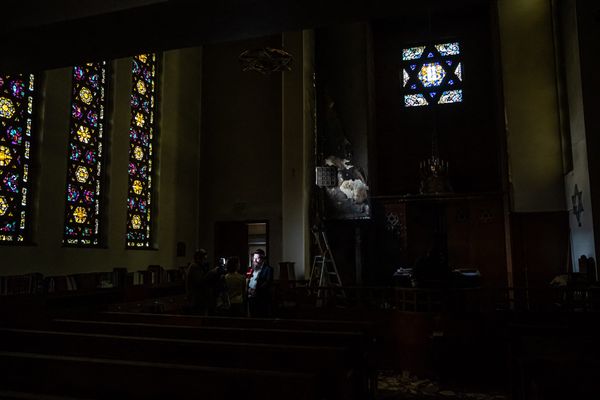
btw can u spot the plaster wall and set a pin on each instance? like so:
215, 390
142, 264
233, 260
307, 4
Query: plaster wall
241, 160
529, 79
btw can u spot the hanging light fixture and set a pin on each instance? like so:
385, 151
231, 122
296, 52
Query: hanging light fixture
266, 60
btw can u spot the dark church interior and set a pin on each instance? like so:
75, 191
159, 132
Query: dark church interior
421, 176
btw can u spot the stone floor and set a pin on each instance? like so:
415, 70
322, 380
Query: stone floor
400, 385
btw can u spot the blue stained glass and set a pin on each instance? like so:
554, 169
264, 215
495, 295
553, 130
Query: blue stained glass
89, 196
77, 113
15, 135
78, 73
9, 227
439, 69
90, 157
448, 49
11, 182
92, 118
458, 71
144, 172
72, 193
451, 96
415, 100
83, 216
16, 131
143, 110
93, 79
18, 88
412, 53
75, 152
432, 74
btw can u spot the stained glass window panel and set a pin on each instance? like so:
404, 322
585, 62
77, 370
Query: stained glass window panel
405, 77
413, 100
432, 74
85, 172
448, 49
451, 96
16, 120
142, 137
412, 53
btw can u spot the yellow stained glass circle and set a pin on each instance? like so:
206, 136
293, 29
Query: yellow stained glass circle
137, 187
141, 87
80, 215
83, 133
82, 174
143, 57
5, 156
138, 153
139, 119
85, 95
7, 108
136, 222
3, 205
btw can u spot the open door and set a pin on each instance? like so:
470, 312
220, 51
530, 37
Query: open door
241, 238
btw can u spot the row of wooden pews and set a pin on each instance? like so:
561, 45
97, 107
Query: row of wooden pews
148, 356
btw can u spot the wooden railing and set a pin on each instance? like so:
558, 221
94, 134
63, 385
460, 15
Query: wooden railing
442, 299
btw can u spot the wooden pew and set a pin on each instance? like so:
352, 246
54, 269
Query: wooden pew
357, 344
365, 328
269, 323
554, 361
333, 366
100, 378
355, 340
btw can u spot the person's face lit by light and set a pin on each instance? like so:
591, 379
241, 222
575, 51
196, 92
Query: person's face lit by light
257, 260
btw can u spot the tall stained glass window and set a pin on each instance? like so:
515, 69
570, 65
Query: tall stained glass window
432, 74
16, 120
85, 171
142, 135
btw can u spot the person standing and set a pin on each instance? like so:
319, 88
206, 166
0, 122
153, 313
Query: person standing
195, 283
260, 286
236, 287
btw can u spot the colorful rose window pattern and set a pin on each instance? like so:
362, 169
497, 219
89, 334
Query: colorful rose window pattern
142, 137
16, 138
432, 75
85, 171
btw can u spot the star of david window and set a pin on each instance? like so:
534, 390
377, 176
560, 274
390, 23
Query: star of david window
432, 74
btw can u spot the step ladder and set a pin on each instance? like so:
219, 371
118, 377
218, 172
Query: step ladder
324, 272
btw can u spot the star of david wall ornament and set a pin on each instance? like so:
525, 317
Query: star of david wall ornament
577, 204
